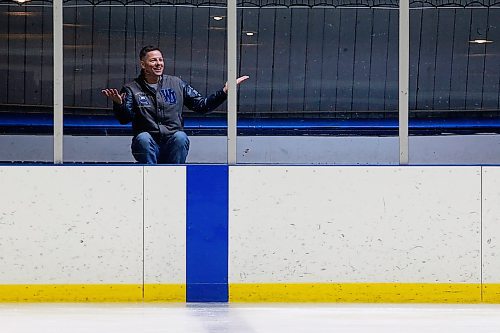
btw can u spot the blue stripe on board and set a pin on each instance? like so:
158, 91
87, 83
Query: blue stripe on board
207, 233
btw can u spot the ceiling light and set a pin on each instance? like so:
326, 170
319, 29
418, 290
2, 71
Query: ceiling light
480, 41
218, 18
250, 33
22, 1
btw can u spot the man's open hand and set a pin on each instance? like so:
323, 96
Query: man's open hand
114, 94
238, 81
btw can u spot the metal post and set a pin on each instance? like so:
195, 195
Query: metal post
232, 110
58, 80
404, 75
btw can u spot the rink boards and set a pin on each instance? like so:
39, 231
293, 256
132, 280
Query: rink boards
250, 233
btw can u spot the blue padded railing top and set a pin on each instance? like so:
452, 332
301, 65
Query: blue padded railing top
42, 124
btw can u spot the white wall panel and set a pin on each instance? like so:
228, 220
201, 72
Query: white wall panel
70, 225
310, 150
165, 224
354, 224
491, 224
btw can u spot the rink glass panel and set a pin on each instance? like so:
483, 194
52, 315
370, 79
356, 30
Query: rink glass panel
102, 45
316, 74
26, 84
454, 83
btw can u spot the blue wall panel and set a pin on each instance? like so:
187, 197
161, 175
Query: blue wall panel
207, 233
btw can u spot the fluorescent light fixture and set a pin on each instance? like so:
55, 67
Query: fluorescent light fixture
73, 25
78, 47
218, 18
480, 41
22, 36
22, 13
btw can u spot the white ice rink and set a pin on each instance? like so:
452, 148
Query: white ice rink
222, 318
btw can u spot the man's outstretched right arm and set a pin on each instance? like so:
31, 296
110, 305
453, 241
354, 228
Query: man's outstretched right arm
122, 104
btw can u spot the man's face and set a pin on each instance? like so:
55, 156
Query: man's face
152, 64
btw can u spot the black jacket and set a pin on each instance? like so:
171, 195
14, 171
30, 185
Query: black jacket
159, 112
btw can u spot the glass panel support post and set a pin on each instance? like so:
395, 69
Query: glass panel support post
58, 81
232, 109
404, 68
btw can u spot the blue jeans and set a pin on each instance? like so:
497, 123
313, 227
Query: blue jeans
172, 150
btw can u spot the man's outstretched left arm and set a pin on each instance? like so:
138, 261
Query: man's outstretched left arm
196, 102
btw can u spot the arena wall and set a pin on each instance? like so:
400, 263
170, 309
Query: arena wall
250, 233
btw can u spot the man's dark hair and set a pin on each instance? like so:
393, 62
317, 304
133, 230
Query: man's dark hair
147, 49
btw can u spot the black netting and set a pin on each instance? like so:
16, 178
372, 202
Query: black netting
265, 3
